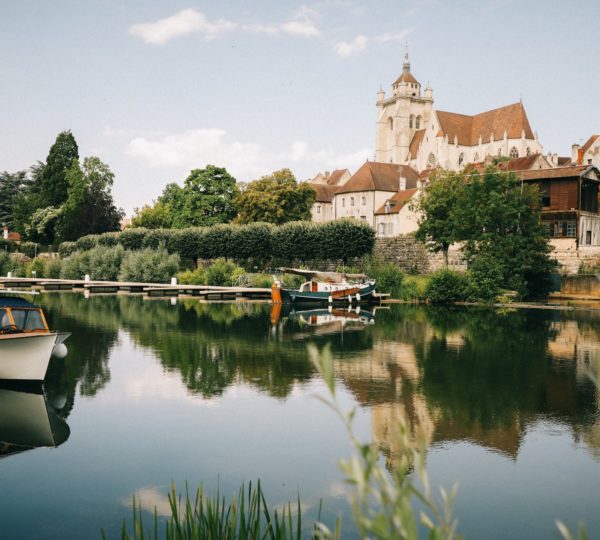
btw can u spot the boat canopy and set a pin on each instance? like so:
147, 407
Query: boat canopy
325, 277
14, 302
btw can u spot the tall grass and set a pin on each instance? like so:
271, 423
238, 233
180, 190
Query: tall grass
245, 517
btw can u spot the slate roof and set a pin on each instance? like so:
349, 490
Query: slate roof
468, 129
377, 176
397, 202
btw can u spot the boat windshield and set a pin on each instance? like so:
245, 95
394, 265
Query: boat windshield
28, 320
4, 318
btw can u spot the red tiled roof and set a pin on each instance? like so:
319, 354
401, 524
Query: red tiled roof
14, 237
573, 171
334, 178
397, 202
416, 143
589, 143
324, 192
377, 176
467, 129
406, 77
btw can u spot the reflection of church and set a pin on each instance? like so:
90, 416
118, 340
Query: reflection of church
392, 381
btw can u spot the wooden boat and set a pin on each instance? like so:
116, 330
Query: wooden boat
26, 342
324, 288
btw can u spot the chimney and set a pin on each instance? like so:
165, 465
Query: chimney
5, 233
575, 153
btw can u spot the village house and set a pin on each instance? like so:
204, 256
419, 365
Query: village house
588, 154
370, 187
325, 185
396, 215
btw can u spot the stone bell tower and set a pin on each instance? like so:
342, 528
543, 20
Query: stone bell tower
400, 115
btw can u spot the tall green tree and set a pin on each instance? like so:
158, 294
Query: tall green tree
277, 198
54, 185
157, 216
89, 208
11, 186
207, 198
437, 204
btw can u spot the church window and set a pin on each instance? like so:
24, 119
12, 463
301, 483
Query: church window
461, 159
411, 121
431, 160
391, 123
476, 157
514, 153
418, 125
499, 152
528, 151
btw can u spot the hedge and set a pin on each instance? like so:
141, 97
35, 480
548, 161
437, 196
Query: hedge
296, 241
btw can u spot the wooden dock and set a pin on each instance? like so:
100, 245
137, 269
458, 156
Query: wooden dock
153, 290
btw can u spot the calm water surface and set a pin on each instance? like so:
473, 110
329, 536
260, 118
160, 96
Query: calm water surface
153, 392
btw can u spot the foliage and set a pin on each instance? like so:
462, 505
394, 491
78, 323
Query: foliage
149, 266
253, 241
277, 198
345, 239
66, 248
4, 263
12, 185
89, 208
486, 276
447, 287
54, 182
414, 288
28, 248
192, 277
36, 265
7, 245
216, 242
498, 217
53, 268
152, 217
437, 205
207, 198
245, 517
132, 239
296, 241
389, 278
223, 273
42, 224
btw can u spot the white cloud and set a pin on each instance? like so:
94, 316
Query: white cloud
398, 36
302, 24
245, 160
187, 21
305, 28
349, 48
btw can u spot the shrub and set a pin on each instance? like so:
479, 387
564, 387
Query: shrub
186, 242
17, 263
252, 241
216, 242
53, 267
7, 245
109, 239
447, 286
36, 265
87, 242
297, 240
76, 266
158, 237
105, 262
149, 266
4, 263
66, 248
132, 239
486, 275
30, 249
224, 273
192, 277
388, 278
413, 289
345, 239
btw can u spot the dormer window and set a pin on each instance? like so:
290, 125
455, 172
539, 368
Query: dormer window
387, 207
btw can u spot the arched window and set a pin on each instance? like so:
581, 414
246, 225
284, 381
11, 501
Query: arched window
418, 124
391, 123
514, 153
411, 121
499, 152
476, 157
461, 159
528, 151
431, 161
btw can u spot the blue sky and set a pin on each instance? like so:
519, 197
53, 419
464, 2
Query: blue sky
157, 87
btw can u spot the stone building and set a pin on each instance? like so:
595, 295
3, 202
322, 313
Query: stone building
411, 132
588, 154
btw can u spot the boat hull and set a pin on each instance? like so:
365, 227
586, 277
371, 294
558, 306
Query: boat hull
25, 357
353, 295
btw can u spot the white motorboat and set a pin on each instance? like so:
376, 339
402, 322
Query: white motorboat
26, 342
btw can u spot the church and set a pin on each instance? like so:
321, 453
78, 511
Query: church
411, 132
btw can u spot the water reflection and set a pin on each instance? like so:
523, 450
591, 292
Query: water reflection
28, 420
474, 375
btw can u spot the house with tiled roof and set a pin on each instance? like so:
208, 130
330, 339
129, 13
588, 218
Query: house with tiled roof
325, 185
370, 187
588, 153
396, 216
411, 132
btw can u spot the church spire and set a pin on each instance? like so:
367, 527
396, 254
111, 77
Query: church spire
406, 64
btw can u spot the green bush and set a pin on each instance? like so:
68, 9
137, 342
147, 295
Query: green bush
7, 245
4, 263
413, 289
149, 266
186, 242
30, 249
388, 278
76, 266
88, 242
486, 275
36, 265
53, 267
109, 239
345, 239
158, 237
252, 241
17, 264
192, 277
223, 273
447, 287
132, 239
66, 248
216, 242
297, 240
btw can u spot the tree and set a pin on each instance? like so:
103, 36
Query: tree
89, 208
437, 204
277, 198
54, 185
152, 217
11, 186
499, 219
207, 198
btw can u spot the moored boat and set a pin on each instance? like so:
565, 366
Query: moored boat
326, 288
26, 342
